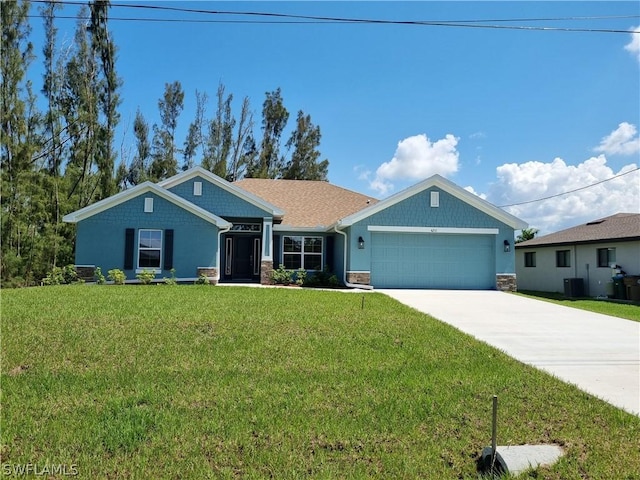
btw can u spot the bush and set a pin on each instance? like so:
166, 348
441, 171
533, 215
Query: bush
301, 276
146, 276
117, 276
202, 280
172, 280
324, 278
100, 280
282, 276
61, 276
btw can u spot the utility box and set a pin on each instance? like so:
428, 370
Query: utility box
573, 287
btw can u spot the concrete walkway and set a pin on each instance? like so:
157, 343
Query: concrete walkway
597, 353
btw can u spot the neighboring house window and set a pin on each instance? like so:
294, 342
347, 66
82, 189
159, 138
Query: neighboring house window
149, 248
563, 258
529, 259
197, 189
302, 252
606, 257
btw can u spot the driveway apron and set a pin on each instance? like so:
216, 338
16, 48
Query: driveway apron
598, 353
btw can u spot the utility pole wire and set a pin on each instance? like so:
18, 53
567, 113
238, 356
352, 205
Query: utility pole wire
301, 19
570, 191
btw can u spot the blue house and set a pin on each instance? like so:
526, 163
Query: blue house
432, 235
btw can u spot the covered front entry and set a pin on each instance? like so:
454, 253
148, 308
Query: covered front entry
443, 261
242, 257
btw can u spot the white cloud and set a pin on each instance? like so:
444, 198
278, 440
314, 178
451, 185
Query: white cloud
362, 172
623, 140
417, 158
470, 189
478, 135
534, 180
634, 45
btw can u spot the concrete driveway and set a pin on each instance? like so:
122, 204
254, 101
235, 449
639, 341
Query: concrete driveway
597, 353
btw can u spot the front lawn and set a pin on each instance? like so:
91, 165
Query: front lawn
235, 382
615, 309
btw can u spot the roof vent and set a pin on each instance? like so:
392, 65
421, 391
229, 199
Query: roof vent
595, 222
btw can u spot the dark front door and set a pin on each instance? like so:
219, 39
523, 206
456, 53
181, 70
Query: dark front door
243, 261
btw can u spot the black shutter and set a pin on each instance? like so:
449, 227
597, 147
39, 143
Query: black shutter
129, 238
328, 259
276, 251
168, 249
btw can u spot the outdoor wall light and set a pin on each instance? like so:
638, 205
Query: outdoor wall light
360, 243
507, 246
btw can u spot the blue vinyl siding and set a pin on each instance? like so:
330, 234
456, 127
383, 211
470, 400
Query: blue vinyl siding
409, 260
100, 239
217, 200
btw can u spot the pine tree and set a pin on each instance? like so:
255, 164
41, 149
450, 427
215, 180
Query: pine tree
79, 105
139, 170
243, 150
53, 144
19, 144
195, 136
164, 150
274, 119
305, 140
220, 138
107, 84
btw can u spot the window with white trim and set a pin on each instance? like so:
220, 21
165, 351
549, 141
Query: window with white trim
302, 252
197, 189
435, 199
149, 248
148, 205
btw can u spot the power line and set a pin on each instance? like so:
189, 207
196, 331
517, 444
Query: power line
570, 191
284, 18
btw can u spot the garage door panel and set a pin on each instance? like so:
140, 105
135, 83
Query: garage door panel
408, 260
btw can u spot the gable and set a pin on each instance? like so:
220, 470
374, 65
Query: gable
219, 196
416, 211
139, 193
455, 207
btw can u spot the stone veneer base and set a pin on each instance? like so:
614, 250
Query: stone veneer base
266, 269
506, 283
86, 272
359, 278
210, 272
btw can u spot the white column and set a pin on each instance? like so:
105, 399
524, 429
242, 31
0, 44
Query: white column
267, 239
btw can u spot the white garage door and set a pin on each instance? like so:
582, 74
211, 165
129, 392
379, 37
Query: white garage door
419, 260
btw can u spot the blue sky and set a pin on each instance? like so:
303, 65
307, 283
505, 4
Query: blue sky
513, 115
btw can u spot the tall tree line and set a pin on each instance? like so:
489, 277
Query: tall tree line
57, 144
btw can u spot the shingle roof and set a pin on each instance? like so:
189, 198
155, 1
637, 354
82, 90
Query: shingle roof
307, 203
621, 226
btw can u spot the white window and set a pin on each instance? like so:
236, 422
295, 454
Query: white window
148, 205
302, 252
149, 248
435, 199
197, 189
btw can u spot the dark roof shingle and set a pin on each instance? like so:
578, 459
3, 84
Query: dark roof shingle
621, 226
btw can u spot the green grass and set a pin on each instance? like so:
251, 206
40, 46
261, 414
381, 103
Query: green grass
231, 382
615, 309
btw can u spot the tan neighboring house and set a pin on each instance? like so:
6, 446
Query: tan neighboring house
585, 252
